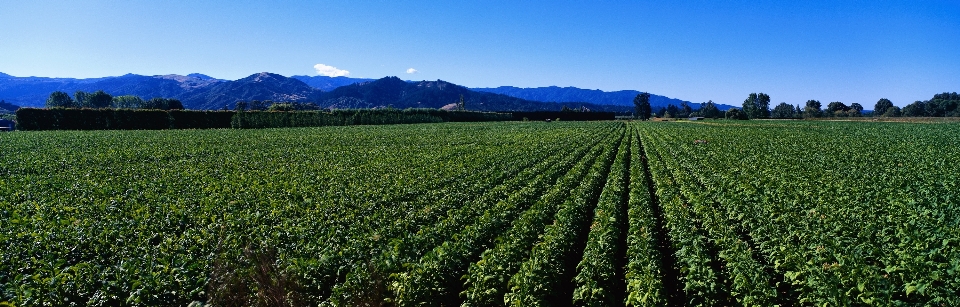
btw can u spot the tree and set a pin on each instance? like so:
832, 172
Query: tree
748, 105
461, 106
80, 97
60, 99
783, 110
836, 108
241, 106
812, 109
174, 104
661, 112
258, 105
709, 109
734, 113
163, 104
856, 110
945, 104
881, 107
757, 105
641, 105
127, 102
893, 111
98, 100
155, 103
949, 102
285, 107
685, 110
672, 111
915, 109
798, 112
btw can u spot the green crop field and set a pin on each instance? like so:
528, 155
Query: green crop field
714, 213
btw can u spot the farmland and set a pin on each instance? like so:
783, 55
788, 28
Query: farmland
485, 214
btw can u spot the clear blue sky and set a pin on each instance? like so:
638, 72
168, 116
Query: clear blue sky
849, 51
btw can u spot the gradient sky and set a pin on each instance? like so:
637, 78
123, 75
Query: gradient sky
848, 51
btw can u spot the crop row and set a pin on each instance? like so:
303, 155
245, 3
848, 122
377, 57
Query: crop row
368, 277
800, 214
485, 214
544, 278
600, 277
170, 217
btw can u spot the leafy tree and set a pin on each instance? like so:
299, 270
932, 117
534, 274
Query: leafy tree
812, 109
241, 106
461, 106
155, 103
308, 106
661, 112
60, 99
672, 111
798, 112
856, 110
945, 104
836, 108
290, 107
882, 105
709, 109
163, 104
98, 100
127, 102
174, 104
748, 105
893, 111
915, 109
757, 105
80, 97
258, 105
641, 105
783, 110
685, 110
734, 113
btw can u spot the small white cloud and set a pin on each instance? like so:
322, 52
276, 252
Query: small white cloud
330, 71
412, 71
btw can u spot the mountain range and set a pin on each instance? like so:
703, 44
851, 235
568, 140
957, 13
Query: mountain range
198, 91
617, 98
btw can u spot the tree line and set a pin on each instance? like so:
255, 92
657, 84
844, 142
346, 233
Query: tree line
102, 100
269, 105
707, 109
757, 106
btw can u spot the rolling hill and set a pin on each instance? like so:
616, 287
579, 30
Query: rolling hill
198, 91
618, 98
396, 93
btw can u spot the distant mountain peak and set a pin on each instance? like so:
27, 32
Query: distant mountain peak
3, 75
189, 82
201, 76
262, 77
325, 83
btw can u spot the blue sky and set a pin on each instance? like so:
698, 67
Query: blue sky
849, 51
